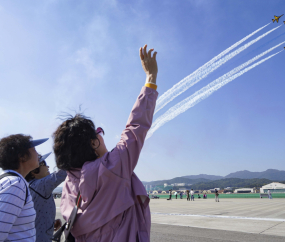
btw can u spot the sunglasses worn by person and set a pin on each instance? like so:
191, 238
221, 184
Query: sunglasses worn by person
100, 131
41, 163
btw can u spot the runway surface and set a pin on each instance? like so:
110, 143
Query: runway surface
207, 220
172, 233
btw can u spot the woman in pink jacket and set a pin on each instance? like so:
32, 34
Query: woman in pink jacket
115, 205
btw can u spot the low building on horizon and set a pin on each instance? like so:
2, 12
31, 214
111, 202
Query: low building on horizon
179, 184
274, 187
245, 190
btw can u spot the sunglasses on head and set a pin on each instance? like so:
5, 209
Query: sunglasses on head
100, 131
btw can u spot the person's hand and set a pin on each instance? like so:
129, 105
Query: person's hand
57, 224
149, 64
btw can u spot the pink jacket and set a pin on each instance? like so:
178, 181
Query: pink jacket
114, 203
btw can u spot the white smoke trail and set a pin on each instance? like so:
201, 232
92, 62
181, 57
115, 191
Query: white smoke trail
201, 73
203, 93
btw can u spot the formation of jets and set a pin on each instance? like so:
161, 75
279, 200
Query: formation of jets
276, 18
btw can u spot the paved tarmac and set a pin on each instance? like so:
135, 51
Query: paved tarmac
259, 216
205, 220
165, 233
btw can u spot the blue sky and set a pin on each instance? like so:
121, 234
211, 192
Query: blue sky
58, 55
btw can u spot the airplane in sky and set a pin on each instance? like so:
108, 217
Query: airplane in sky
276, 18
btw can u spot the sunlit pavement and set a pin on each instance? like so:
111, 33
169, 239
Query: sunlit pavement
228, 220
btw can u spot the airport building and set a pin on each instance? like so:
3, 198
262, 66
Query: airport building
245, 190
274, 187
179, 184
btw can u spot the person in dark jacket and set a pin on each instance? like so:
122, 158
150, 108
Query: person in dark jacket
216, 195
41, 185
188, 195
170, 194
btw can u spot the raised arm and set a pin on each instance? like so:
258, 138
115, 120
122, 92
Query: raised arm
123, 159
46, 185
149, 65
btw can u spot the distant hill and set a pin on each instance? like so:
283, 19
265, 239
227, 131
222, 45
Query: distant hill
236, 179
176, 180
204, 176
271, 174
231, 182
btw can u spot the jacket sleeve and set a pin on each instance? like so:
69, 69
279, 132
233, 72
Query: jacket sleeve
46, 185
124, 157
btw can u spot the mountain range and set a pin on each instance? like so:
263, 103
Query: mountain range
270, 174
177, 180
204, 176
264, 176
231, 182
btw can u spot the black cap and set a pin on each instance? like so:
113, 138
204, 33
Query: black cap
37, 142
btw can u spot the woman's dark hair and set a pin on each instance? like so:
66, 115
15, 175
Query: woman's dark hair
72, 142
12, 149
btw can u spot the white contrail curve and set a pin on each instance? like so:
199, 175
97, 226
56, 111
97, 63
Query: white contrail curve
201, 73
202, 94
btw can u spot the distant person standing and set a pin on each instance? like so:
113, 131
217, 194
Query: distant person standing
216, 195
170, 194
188, 195
181, 195
175, 194
269, 194
192, 195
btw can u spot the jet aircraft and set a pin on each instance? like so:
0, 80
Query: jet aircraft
276, 18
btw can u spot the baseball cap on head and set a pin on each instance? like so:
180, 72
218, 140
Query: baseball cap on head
43, 157
37, 142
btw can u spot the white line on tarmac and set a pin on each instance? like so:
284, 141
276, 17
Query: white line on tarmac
219, 216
